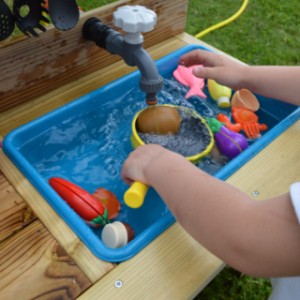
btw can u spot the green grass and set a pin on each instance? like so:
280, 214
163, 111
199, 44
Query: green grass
268, 32
230, 284
87, 5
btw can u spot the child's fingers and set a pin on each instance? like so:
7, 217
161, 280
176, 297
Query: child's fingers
203, 57
205, 72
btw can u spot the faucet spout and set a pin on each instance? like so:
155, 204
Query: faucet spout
151, 82
133, 54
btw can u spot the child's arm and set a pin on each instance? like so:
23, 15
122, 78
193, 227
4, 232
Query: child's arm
280, 82
258, 238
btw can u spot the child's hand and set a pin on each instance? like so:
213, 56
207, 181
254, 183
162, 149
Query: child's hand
137, 163
221, 68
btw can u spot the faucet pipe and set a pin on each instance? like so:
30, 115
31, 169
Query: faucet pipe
133, 55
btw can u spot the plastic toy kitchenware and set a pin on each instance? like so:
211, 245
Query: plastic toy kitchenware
245, 99
220, 93
133, 20
86, 205
7, 21
186, 77
63, 13
109, 201
226, 121
88, 140
134, 196
32, 19
117, 234
248, 121
230, 143
189, 120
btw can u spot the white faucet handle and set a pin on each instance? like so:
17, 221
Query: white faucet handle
134, 19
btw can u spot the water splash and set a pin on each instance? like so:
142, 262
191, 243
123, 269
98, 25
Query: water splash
89, 149
193, 136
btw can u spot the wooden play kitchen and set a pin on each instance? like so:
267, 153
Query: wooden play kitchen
40, 255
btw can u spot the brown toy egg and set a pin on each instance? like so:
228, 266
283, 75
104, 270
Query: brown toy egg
159, 120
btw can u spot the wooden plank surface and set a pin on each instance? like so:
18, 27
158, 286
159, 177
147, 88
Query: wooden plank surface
173, 266
33, 265
14, 211
32, 67
273, 169
90, 265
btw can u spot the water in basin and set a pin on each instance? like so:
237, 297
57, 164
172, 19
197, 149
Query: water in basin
89, 149
87, 141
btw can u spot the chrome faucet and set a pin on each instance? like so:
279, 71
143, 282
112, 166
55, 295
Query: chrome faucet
132, 20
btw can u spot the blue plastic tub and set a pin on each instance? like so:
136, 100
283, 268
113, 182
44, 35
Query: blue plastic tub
87, 141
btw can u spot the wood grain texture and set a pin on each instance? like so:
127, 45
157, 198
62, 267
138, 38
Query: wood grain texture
174, 266
32, 67
14, 211
92, 267
34, 266
30, 110
273, 169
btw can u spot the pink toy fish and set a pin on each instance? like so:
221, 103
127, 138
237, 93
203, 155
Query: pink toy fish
186, 77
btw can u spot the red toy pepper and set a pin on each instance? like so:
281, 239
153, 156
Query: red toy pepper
86, 205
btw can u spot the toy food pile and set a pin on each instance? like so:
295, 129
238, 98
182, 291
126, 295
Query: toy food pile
244, 104
97, 210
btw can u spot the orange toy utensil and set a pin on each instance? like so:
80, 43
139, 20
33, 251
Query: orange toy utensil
249, 121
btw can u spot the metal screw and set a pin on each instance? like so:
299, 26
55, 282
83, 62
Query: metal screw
255, 193
118, 284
